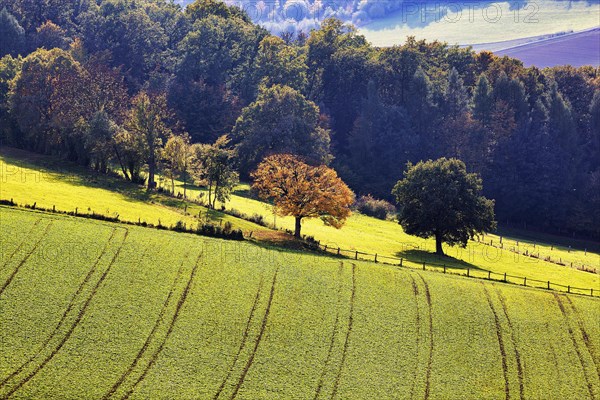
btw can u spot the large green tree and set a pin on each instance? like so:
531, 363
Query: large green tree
281, 120
149, 120
440, 199
214, 166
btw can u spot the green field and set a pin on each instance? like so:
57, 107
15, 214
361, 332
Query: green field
29, 179
386, 238
97, 310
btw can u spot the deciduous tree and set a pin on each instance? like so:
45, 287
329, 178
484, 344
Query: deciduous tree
440, 199
281, 120
303, 191
148, 119
214, 164
176, 158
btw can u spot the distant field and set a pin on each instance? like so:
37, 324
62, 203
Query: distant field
576, 49
99, 310
28, 178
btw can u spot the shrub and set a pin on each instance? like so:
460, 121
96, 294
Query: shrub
368, 205
227, 228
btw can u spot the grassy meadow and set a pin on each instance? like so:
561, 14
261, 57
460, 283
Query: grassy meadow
90, 309
386, 238
28, 178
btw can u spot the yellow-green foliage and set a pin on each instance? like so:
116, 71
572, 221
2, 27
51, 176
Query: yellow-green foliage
92, 309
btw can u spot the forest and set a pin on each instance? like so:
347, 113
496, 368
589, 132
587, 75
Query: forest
122, 86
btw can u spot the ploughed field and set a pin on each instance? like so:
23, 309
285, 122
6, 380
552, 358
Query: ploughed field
90, 309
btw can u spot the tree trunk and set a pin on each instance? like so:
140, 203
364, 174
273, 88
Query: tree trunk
172, 185
151, 172
298, 227
184, 185
121, 164
438, 244
215, 194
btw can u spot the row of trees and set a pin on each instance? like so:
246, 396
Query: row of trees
330, 97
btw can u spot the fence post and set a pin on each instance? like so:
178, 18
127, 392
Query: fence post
53, 208
338, 251
489, 275
525, 281
356, 256
325, 249
569, 289
592, 292
548, 285
375, 257
468, 272
423, 265
444, 268
505, 277
401, 261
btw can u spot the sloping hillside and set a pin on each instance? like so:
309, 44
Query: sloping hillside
27, 179
576, 49
98, 310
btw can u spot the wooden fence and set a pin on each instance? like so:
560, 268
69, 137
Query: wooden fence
468, 272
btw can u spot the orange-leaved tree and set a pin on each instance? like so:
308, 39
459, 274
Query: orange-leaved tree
303, 191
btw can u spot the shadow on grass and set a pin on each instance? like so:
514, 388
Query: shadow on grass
48, 168
420, 256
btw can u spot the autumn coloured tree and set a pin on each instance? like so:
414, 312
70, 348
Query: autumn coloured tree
303, 191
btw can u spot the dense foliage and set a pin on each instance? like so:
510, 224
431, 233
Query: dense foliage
73, 72
440, 199
303, 191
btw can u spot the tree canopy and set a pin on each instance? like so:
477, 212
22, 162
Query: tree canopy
281, 120
71, 68
303, 191
440, 199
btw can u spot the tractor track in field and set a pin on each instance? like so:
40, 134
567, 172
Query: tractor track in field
418, 335
586, 338
24, 260
243, 342
348, 332
498, 328
150, 337
65, 313
258, 338
431, 343
73, 325
333, 336
20, 245
513, 339
575, 345
178, 308
555, 359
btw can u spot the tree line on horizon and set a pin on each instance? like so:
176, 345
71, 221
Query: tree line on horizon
134, 84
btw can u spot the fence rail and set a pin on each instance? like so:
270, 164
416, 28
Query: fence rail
476, 273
